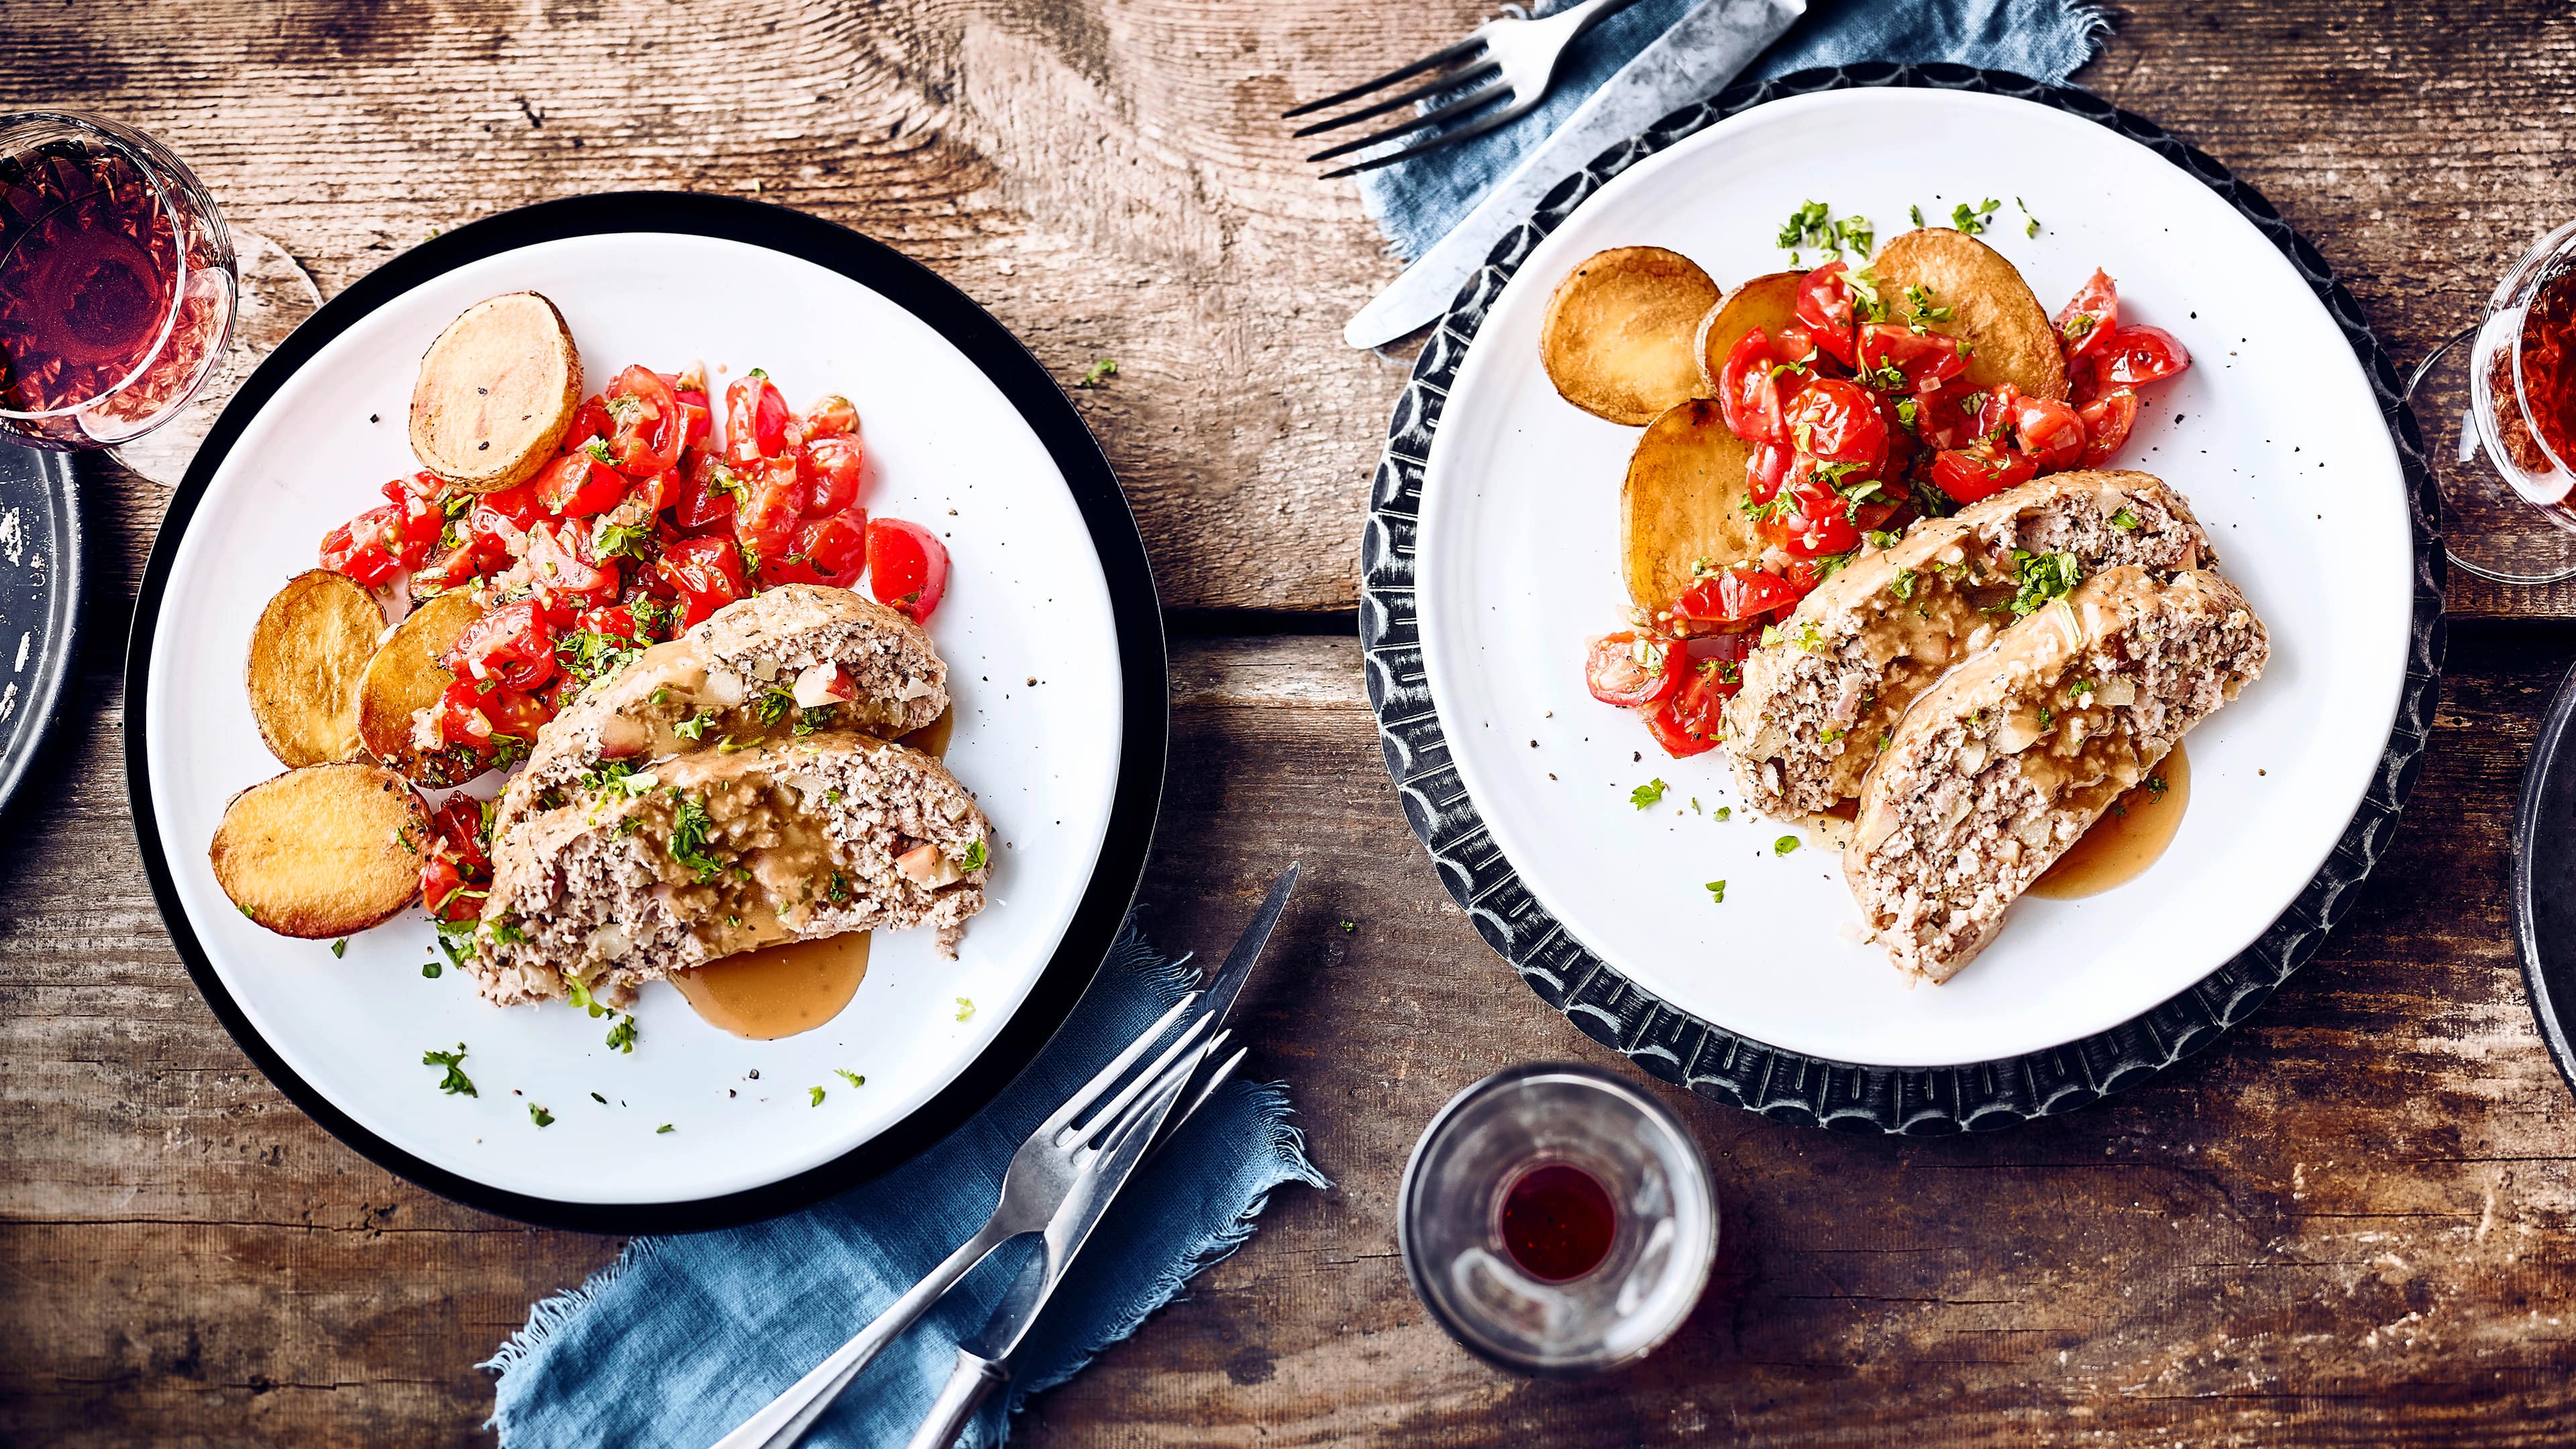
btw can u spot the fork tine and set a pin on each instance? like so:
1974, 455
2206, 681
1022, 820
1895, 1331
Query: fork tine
1459, 51
1146, 1116
1447, 80
1110, 1075
1146, 1079
1215, 1079
1482, 96
1479, 127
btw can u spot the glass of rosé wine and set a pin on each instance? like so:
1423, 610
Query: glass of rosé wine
2498, 405
118, 283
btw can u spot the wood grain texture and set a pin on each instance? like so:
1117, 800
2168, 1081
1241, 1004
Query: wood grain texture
2347, 1224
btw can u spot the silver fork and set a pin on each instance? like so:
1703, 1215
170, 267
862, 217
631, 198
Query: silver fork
1043, 1172
1516, 57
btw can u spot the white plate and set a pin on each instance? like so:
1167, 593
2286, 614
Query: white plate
2274, 434
1027, 599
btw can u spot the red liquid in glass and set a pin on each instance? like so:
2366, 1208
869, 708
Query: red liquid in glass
1557, 1222
2549, 369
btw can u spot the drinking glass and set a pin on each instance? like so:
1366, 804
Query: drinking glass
118, 283
1450, 1222
2498, 407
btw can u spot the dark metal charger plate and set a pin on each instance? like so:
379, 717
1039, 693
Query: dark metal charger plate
40, 587
1674, 1045
2544, 879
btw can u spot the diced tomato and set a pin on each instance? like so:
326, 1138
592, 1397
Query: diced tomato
2049, 431
836, 546
589, 421
520, 505
1665, 723
708, 500
755, 419
484, 718
765, 519
444, 890
1980, 470
509, 646
647, 425
579, 485
707, 572
907, 566
1734, 596
1917, 357
1942, 415
365, 547
1839, 422
833, 466
1708, 682
617, 621
2142, 354
568, 579
451, 570
1631, 669
2107, 421
2085, 323
1767, 469
460, 825
1816, 520
697, 414
1750, 389
829, 416
1825, 310
1996, 415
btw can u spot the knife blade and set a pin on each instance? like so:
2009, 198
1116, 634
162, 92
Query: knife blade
1703, 50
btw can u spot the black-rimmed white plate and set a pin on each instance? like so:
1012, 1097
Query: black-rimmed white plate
1056, 661
1492, 557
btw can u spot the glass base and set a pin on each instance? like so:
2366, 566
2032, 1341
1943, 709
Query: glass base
2487, 529
276, 296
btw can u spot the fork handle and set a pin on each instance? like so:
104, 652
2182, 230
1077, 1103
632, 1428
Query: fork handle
974, 1377
786, 1418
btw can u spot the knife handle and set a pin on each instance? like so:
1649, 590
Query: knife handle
968, 1383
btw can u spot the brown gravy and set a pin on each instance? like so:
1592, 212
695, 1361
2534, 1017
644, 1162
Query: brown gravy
778, 990
2126, 840
932, 739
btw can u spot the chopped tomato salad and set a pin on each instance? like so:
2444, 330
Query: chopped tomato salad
1862, 422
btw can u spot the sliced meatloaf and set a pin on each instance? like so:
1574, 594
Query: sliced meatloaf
797, 658
670, 866
2004, 764
1823, 691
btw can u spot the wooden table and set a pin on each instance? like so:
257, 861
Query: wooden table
2348, 1223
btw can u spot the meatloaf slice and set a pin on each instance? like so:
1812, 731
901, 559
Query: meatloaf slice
2004, 764
1825, 688
799, 657
667, 867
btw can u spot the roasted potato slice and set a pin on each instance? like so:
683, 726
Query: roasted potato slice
404, 678
1769, 302
1617, 337
307, 654
1989, 304
495, 393
322, 851
1683, 504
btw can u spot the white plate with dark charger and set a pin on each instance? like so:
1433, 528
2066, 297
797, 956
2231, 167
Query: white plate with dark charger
1056, 662
2281, 434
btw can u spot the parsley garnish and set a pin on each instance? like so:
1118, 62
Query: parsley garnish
2033, 228
772, 706
2156, 785
1812, 225
2125, 520
1906, 412
695, 726
455, 1083
1105, 367
590, 656
839, 892
2041, 578
665, 1127
689, 827
1916, 213
340, 948
1784, 845
975, 857
621, 1037
1919, 298
1972, 221
429, 969
1903, 588
965, 1008
618, 777
540, 1115
817, 1098
853, 1078
1646, 794
1725, 812
1716, 892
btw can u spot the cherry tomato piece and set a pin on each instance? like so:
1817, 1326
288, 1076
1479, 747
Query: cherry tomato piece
1913, 358
1749, 392
460, 825
647, 427
1631, 669
707, 573
2107, 420
1766, 470
590, 420
836, 546
707, 498
2086, 322
907, 566
1734, 596
579, 485
2142, 354
1825, 309
568, 578
445, 892
1839, 422
371, 546
1980, 470
755, 419
765, 518
509, 646
697, 415
829, 416
1666, 725
2049, 431
1816, 520
833, 466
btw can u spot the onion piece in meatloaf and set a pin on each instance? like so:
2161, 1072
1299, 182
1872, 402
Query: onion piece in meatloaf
2009, 760
793, 659
1823, 694
690, 859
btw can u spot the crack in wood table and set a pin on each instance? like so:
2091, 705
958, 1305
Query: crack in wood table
2346, 1223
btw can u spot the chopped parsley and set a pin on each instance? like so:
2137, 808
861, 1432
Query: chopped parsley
620, 540
1784, 845
456, 942
603, 1101
621, 1037
1886, 377
965, 1008
2042, 578
690, 825
839, 890
810, 720
1907, 415
2125, 521
731, 746
817, 1096
1919, 298
975, 857
597, 448
340, 948
772, 707
2156, 786
579, 992
853, 1078
429, 969
1903, 587
1725, 812
2031, 227
540, 1115
1881, 538
1716, 892
455, 1083
1972, 220
1349, 926
665, 1127
1105, 368
1915, 213
2047, 717
1814, 225
1646, 794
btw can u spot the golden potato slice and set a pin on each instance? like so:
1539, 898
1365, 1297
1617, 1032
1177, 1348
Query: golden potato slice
404, 678
322, 851
1989, 303
1769, 302
1683, 504
307, 653
495, 393
1618, 333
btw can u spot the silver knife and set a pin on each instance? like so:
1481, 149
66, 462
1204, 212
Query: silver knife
1702, 52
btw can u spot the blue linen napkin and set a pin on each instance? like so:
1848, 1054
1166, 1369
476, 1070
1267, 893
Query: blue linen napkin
1416, 202
682, 1338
